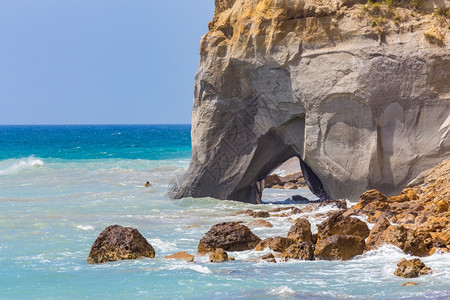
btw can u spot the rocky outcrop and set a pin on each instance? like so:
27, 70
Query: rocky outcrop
268, 258
277, 244
360, 94
301, 251
119, 243
260, 223
229, 236
411, 268
339, 247
337, 224
300, 231
291, 181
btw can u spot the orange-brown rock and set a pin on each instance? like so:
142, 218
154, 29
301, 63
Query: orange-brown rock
337, 224
407, 194
259, 214
368, 197
181, 255
230, 236
442, 206
377, 231
219, 255
302, 251
300, 231
260, 223
268, 258
119, 243
411, 268
339, 247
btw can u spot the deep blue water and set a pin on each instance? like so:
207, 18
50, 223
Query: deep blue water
153, 142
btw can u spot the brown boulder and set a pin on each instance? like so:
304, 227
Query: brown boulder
370, 196
272, 180
411, 268
269, 258
337, 224
181, 255
260, 223
219, 255
339, 247
259, 214
442, 206
300, 231
230, 236
118, 243
303, 251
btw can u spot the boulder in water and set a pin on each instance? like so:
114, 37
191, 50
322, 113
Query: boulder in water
339, 247
411, 268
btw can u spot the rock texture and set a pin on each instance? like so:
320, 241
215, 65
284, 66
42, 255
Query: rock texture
411, 268
181, 255
339, 247
300, 231
219, 255
119, 243
229, 236
302, 251
360, 94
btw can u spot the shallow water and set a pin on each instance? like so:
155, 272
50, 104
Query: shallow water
52, 208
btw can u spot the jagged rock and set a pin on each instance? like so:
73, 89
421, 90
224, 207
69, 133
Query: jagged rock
377, 231
219, 255
356, 103
303, 251
418, 244
181, 255
269, 258
368, 197
118, 243
230, 236
442, 206
337, 224
300, 231
411, 268
339, 247
260, 223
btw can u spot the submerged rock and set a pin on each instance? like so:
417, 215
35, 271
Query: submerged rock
261, 223
411, 268
268, 258
118, 243
339, 247
181, 255
230, 236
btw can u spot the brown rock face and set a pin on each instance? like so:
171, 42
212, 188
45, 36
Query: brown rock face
368, 197
300, 231
119, 243
277, 244
406, 239
181, 255
269, 258
230, 236
219, 255
411, 268
337, 224
339, 247
302, 251
377, 231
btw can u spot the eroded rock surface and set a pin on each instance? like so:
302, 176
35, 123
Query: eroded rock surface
229, 236
362, 105
119, 243
339, 247
411, 268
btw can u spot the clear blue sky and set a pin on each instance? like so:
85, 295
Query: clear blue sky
99, 61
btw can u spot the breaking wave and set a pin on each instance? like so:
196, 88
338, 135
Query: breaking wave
14, 166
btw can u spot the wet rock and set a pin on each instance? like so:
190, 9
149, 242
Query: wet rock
377, 231
409, 283
147, 184
260, 223
411, 268
269, 258
302, 251
339, 247
219, 255
337, 224
230, 236
243, 212
259, 214
300, 231
418, 244
119, 243
181, 255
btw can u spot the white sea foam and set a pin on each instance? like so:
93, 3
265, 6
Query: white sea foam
17, 165
85, 227
200, 269
282, 291
161, 245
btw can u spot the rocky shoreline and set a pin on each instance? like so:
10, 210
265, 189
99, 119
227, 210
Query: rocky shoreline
416, 221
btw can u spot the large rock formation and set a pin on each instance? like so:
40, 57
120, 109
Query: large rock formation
360, 93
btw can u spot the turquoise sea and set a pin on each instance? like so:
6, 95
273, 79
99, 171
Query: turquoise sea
60, 186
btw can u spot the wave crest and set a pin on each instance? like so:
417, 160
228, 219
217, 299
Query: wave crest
14, 166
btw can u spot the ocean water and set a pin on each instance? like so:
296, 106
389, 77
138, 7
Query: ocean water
60, 186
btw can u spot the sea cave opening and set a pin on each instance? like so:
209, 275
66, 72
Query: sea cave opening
292, 181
